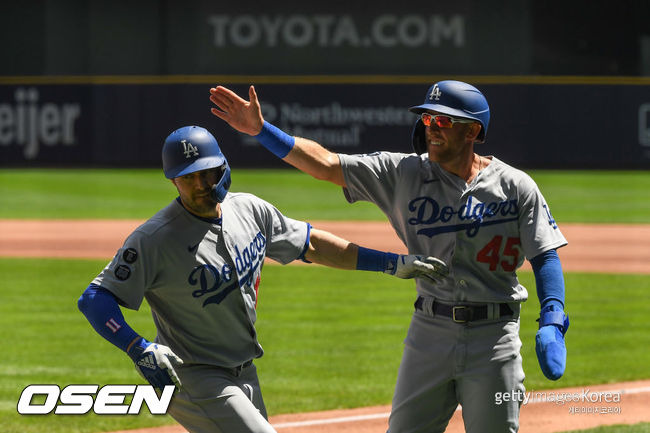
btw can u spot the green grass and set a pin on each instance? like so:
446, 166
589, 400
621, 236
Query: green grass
138, 194
597, 196
621, 428
333, 339
46, 342
57, 193
578, 196
607, 336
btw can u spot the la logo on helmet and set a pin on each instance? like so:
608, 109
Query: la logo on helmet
435, 93
189, 149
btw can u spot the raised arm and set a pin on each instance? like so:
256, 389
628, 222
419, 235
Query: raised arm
306, 155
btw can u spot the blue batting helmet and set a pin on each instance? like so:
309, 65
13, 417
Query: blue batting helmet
456, 99
191, 149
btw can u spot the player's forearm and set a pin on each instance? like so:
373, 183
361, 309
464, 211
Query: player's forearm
549, 279
103, 312
318, 162
306, 155
330, 250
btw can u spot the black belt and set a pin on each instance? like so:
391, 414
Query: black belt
463, 313
236, 371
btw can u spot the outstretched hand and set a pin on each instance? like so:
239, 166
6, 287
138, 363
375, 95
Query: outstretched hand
244, 116
412, 266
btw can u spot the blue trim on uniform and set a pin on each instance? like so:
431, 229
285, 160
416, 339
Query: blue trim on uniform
103, 312
276, 140
549, 279
306, 247
373, 260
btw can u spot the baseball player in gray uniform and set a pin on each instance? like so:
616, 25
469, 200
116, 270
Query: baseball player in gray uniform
480, 216
198, 264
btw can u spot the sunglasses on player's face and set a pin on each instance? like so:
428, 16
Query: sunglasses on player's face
442, 120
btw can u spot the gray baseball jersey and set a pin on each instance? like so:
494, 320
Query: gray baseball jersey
201, 279
482, 230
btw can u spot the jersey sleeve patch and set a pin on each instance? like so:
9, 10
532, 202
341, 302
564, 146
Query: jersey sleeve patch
122, 272
130, 255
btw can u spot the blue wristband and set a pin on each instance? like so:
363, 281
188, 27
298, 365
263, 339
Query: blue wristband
378, 261
135, 349
276, 140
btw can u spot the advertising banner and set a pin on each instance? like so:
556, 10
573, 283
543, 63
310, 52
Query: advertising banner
124, 125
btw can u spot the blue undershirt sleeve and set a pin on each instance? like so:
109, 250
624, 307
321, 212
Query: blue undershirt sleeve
549, 279
103, 312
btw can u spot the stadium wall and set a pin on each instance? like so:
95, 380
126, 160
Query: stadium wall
120, 122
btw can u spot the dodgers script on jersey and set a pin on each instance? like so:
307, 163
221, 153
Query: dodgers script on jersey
201, 278
482, 230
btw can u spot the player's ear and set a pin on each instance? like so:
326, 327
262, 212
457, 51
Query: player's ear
473, 131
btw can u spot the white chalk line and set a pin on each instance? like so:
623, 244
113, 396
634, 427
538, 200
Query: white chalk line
332, 420
386, 414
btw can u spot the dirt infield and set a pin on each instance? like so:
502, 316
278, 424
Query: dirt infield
592, 248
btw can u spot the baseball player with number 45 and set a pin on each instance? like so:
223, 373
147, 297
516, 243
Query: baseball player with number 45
476, 213
198, 263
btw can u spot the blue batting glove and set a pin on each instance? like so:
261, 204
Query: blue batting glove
549, 342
